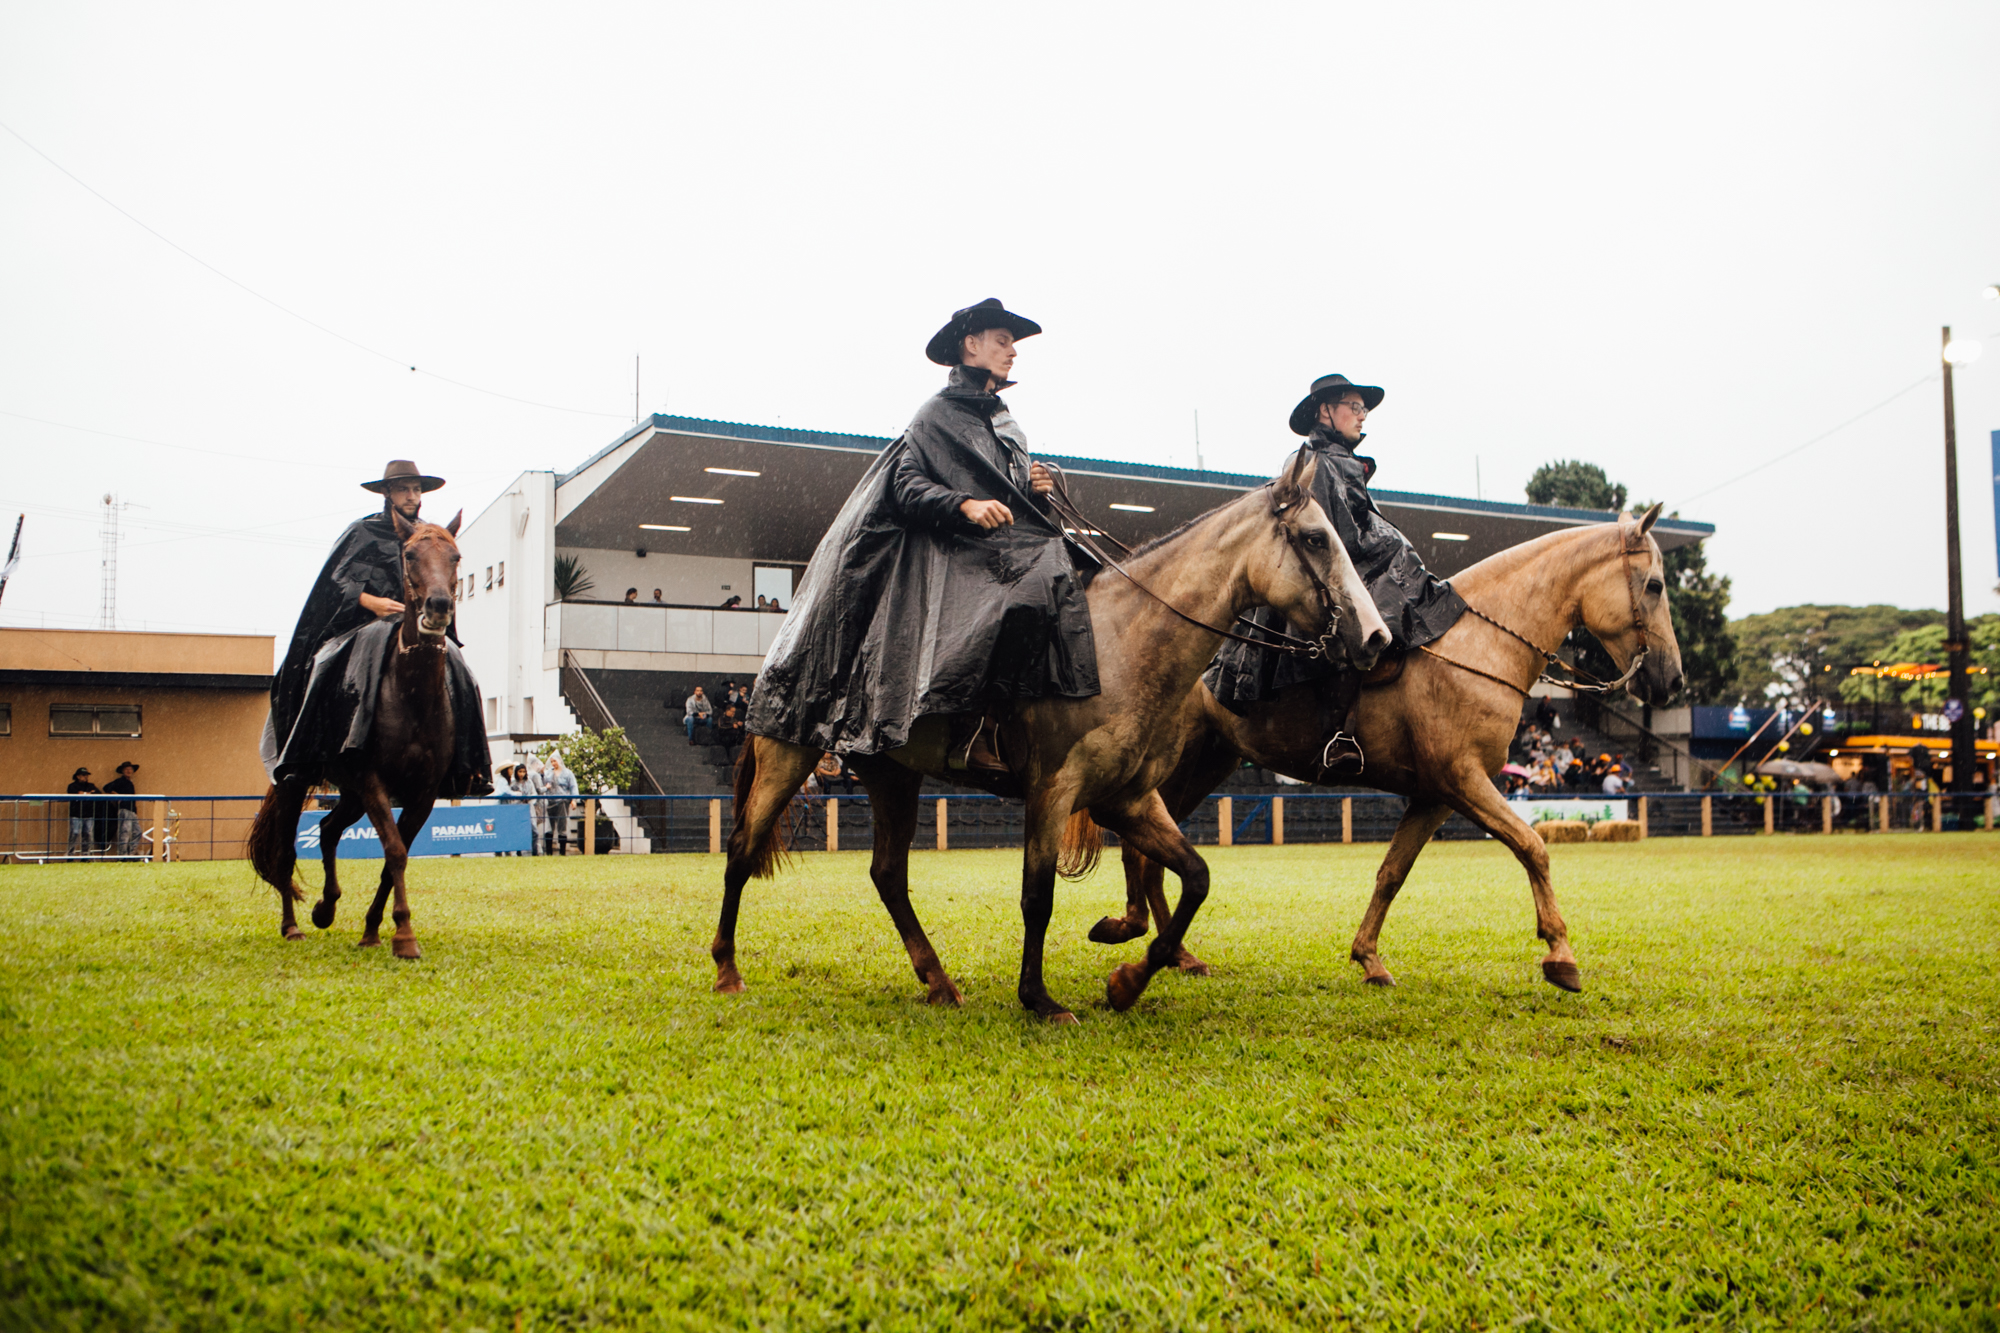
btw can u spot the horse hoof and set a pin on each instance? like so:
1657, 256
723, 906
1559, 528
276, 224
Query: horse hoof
293, 933
1126, 984
323, 914
1381, 978
368, 942
1563, 976
1060, 1018
408, 949
1116, 930
729, 985
946, 994
1190, 965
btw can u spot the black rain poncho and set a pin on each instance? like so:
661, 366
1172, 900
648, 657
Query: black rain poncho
1417, 606
368, 557
908, 609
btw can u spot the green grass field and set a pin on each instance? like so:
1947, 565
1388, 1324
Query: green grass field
1774, 1106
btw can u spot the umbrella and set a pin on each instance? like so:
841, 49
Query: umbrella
1792, 768
1515, 771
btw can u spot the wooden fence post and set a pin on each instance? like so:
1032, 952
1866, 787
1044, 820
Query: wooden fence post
161, 850
1708, 816
832, 824
1277, 821
714, 825
1826, 814
1642, 819
1937, 813
1225, 829
1886, 806
1992, 812
1347, 819
590, 826
1770, 814
943, 843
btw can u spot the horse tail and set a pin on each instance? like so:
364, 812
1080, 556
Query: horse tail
1082, 844
272, 844
768, 856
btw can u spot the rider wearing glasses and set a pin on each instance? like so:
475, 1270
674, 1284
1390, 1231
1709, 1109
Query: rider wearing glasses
1417, 605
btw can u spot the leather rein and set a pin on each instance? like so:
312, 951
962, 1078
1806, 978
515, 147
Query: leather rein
1322, 648
1578, 682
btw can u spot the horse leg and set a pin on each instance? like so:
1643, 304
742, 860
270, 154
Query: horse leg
407, 828
381, 813
346, 812
892, 796
1479, 801
1420, 820
1133, 925
1153, 832
766, 777
1048, 812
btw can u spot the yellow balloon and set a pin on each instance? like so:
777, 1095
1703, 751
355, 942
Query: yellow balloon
1805, 728
1784, 746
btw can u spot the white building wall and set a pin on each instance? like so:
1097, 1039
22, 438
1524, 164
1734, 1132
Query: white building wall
501, 624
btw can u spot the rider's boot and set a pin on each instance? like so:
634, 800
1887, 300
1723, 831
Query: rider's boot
1342, 756
975, 745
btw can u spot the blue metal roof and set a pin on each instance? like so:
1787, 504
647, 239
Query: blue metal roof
826, 439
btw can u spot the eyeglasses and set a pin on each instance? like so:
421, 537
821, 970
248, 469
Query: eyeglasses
1354, 405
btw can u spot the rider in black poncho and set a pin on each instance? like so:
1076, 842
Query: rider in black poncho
942, 587
323, 696
1417, 605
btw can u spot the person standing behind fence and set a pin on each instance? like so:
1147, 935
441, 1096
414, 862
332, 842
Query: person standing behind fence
562, 785
534, 785
126, 842
81, 813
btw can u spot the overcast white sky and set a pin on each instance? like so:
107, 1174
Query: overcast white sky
1676, 241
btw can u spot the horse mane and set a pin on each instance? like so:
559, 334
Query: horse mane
1169, 538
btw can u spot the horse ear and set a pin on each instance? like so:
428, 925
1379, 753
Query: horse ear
1652, 516
452, 527
1290, 490
403, 526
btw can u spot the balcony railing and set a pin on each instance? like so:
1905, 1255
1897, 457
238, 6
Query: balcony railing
616, 627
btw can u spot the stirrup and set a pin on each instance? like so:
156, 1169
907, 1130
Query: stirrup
1349, 751
959, 759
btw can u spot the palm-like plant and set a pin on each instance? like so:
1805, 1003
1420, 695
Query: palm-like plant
572, 581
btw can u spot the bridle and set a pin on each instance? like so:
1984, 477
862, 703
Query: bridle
1321, 648
423, 640
1578, 681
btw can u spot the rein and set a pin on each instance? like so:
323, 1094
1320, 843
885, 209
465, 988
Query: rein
403, 556
1578, 682
1316, 649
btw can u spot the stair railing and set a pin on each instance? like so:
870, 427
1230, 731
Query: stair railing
594, 713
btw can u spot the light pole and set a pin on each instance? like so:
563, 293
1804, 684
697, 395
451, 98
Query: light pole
1957, 650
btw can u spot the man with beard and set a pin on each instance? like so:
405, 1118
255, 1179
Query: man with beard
1417, 606
362, 581
942, 588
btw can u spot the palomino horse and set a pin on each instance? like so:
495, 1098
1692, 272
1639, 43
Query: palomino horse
1440, 730
1154, 619
405, 760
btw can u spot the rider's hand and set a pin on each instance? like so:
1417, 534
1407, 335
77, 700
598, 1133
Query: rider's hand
381, 606
1039, 478
988, 514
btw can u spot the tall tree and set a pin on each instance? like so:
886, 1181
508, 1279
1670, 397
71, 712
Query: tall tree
1926, 644
1575, 484
1796, 654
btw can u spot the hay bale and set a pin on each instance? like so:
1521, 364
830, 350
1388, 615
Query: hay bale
1563, 830
1615, 830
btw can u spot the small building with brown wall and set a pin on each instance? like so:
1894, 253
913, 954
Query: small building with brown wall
187, 708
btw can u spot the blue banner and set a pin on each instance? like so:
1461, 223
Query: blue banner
450, 831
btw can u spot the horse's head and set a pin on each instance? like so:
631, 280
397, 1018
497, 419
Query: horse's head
1308, 576
1624, 604
430, 572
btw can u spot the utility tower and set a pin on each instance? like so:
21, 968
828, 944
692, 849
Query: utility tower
107, 605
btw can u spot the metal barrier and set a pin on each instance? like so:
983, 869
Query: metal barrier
46, 827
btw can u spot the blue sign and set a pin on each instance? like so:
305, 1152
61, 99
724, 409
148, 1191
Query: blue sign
1739, 718
450, 831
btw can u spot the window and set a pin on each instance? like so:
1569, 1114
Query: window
94, 720
492, 714
471, 583
6, 719
489, 578
528, 715
503, 573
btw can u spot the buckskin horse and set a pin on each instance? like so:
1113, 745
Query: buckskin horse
405, 759
1099, 759
1439, 731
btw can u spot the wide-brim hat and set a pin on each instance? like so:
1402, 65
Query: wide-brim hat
80, 773
1306, 415
945, 347
402, 469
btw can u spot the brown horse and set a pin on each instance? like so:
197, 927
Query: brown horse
1100, 758
404, 761
1439, 731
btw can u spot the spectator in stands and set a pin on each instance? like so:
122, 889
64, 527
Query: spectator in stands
763, 602
698, 709
126, 841
734, 602
631, 597
81, 813
658, 599
734, 696
1614, 785
1545, 714
1574, 774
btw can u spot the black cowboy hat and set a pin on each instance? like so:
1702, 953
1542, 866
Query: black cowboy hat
945, 347
401, 469
80, 773
128, 764
1329, 388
